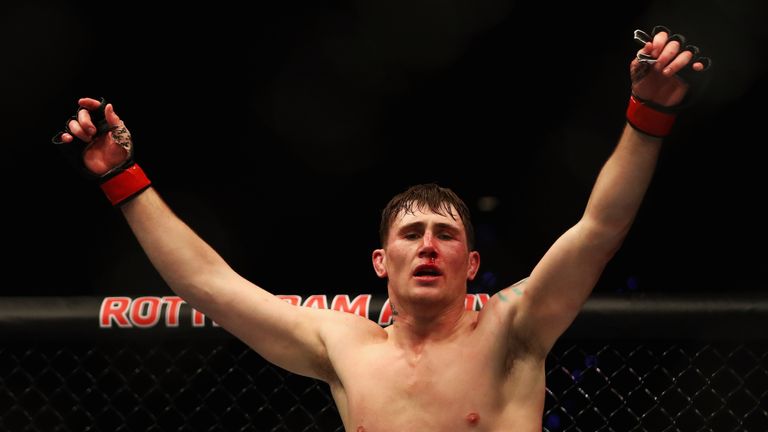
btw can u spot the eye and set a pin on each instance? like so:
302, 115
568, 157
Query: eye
411, 236
445, 236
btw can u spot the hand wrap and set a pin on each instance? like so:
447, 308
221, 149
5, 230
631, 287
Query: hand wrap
121, 182
654, 119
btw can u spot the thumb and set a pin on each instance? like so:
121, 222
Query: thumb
112, 119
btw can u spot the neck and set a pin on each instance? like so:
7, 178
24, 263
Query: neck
413, 326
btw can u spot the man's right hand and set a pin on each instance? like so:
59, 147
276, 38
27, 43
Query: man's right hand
97, 142
105, 151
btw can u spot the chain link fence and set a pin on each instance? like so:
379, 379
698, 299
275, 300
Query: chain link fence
651, 386
218, 384
209, 386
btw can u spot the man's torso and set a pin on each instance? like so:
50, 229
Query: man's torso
476, 380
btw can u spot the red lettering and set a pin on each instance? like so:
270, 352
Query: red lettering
198, 319
482, 299
172, 309
385, 317
145, 311
469, 302
292, 299
114, 308
317, 301
359, 305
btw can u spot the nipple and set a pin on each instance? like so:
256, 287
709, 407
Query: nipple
473, 418
360, 429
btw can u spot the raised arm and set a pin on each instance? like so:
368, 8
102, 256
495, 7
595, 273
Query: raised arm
289, 336
285, 335
546, 303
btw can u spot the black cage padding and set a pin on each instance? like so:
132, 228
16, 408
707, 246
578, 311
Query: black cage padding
626, 364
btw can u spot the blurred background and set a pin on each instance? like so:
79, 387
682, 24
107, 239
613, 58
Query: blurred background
279, 130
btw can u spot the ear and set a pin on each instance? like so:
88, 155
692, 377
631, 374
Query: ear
474, 265
379, 258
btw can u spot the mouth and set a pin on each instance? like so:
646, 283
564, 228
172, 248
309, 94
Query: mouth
427, 271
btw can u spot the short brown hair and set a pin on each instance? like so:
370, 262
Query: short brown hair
430, 195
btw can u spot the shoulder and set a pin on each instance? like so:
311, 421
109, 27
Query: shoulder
502, 311
347, 327
503, 305
346, 338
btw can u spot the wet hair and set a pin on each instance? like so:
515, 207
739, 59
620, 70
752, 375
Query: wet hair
438, 199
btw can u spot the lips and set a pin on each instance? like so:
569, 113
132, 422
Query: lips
427, 270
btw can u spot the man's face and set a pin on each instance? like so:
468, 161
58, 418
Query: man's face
426, 257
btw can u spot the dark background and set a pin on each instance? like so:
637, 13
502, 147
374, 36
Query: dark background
279, 131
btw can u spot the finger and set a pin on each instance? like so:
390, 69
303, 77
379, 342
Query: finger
65, 137
76, 130
660, 28
112, 119
669, 53
84, 118
659, 41
89, 103
644, 54
701, 63
678, 63
647, 49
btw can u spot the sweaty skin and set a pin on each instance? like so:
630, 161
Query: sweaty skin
437, 362
438, 367
465, 382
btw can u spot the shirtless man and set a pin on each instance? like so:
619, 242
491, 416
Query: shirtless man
438, 367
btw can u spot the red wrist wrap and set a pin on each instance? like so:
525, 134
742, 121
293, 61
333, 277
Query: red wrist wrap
649, 120
127, 184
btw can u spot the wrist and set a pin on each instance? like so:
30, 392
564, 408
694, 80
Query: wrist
128, 183
648, 118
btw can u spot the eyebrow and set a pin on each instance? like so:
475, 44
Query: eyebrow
422, 225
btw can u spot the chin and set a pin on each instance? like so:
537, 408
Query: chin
430, 293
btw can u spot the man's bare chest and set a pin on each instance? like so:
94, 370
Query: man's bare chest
441, 388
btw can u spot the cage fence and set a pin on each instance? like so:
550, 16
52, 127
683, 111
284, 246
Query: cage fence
662, 364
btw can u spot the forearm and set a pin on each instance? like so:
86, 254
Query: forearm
622, 183
560, 283
182, 258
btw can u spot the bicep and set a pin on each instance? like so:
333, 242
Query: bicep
285, 335
552, 296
